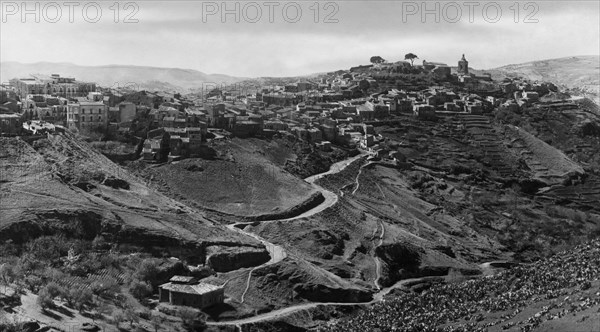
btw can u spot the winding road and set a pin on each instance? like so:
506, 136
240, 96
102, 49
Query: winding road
377, 297
278, 254
377, 261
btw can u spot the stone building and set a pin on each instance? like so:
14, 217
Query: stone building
187, 291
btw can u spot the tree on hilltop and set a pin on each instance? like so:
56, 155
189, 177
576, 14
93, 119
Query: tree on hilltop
377, 59
411, 57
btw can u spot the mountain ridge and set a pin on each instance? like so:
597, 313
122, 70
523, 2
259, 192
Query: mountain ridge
145, 77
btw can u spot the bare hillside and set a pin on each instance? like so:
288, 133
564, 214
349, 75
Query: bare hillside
578, 74
59, 185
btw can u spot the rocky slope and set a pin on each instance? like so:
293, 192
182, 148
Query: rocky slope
560, 293
58, 184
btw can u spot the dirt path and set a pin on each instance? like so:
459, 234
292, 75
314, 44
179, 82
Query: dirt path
377, 261
356, 181
304, 306
276, 253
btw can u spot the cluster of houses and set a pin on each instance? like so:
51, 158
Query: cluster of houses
337, 108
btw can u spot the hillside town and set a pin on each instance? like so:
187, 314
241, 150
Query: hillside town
338, 108
388, 185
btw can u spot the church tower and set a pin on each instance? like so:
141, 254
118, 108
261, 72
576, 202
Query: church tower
463, 66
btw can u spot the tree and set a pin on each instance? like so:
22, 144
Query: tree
71, 297
44, 299
33, 282
187, 315
411, 57
54, 290
83, 299
7, 274
148, 270
140, 290
377, 59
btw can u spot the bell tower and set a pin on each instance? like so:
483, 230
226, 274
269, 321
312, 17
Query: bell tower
463, 66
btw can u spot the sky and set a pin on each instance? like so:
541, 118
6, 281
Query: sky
285, 38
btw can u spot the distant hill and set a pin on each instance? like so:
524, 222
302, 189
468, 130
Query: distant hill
148, 78
579, 74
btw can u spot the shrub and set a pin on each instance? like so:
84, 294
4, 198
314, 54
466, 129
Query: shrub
187, 315
99, 243
140, 290
108, 260
148, 270
28, 263
192, 320
81, 298
47, 248
145, 313
33, 282
7, 273
44, 299
55, 290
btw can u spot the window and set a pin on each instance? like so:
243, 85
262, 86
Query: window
83, 111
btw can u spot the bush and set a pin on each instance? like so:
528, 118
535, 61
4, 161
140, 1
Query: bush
44, 299
145, 313
187, 315
33, 282
47, 248
55, 290
192, 320
109, 260
140, 290
7, 273
99, 243
148, 270
28, 263
79, 298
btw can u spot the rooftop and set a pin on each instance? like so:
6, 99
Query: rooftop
182, 279
201, 288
